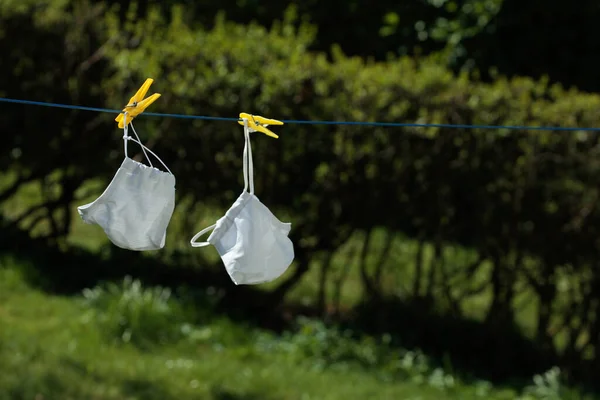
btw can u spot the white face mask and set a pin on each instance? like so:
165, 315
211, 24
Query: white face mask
251, 241
136, 207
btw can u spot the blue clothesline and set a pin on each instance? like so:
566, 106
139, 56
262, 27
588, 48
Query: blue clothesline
307, 122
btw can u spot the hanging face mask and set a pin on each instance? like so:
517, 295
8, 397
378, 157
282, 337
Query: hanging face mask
251, 241
135, 209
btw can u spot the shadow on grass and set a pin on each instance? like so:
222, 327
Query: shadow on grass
471, 349
219, 393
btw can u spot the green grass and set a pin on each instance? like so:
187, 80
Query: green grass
54, 347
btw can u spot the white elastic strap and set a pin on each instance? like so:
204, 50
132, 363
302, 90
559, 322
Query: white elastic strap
139, 141
197, 235
247, 159
125, 134
144, 148
127, 137
250, 165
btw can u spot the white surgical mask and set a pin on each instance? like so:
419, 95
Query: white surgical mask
253, 244
135, 209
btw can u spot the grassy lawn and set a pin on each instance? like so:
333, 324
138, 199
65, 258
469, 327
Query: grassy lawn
53, 348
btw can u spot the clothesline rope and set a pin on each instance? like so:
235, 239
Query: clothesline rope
308, 122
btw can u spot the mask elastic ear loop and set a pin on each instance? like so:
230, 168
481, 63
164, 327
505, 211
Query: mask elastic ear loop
193, 241
125, 133
245, 156
143, 149
151, 152
250, 164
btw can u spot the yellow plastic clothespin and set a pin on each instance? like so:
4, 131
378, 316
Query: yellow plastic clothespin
258, 124
137, 104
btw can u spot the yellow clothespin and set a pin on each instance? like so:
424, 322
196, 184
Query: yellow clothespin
257, 123
137, 104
